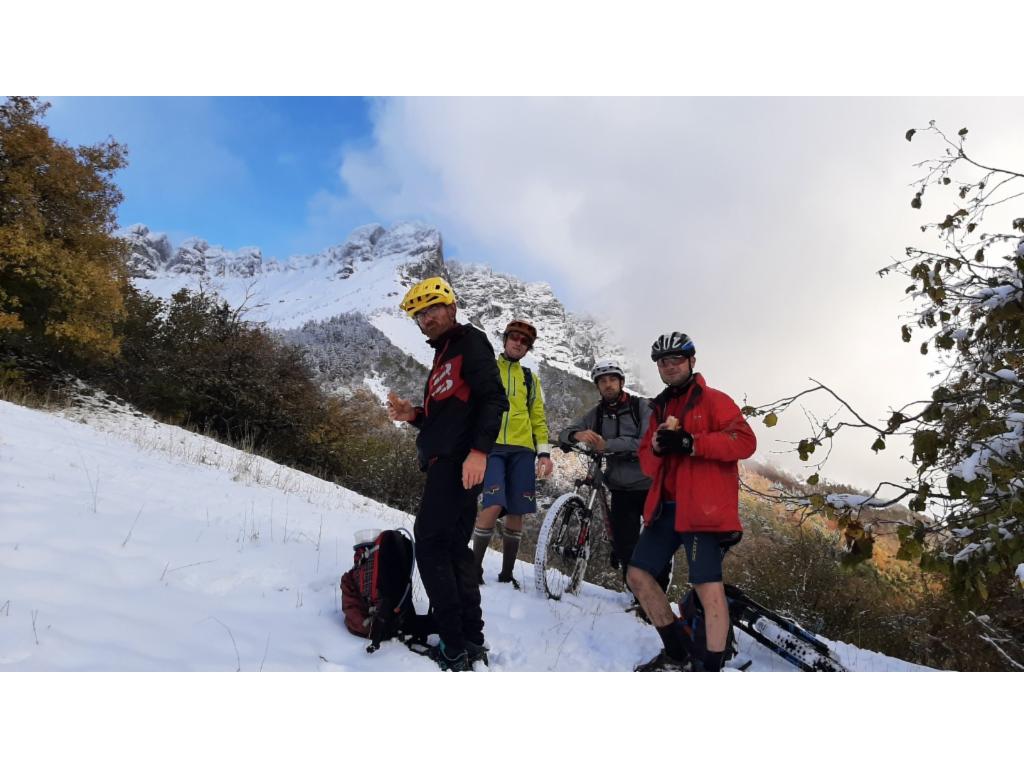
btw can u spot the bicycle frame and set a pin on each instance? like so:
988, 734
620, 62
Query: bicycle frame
594, 479
574, 555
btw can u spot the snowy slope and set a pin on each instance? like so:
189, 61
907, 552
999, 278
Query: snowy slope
130, 545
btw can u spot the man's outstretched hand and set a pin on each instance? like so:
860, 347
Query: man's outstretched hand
399, 409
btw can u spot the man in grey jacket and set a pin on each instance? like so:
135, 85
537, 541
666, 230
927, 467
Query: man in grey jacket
615, 425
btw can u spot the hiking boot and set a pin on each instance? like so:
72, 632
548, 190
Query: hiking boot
664, 663
477, 652
509, 579
712, 662
460, 663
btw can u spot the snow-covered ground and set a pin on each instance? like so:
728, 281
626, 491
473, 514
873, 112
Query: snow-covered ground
126, 544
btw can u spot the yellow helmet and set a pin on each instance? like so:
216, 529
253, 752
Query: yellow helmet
427, 293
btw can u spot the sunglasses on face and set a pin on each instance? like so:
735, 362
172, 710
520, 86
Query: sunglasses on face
671, 361
518, 338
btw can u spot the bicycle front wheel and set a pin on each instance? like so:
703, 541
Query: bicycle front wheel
563, 547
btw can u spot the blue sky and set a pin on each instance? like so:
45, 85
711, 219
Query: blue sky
234, 171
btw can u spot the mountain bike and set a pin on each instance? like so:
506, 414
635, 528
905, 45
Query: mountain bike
783, 636
564, 544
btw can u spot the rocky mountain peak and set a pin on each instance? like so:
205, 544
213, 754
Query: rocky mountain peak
151, 255
149, 251
565, 340
419, 245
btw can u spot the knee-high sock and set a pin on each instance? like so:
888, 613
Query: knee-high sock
509, 549
481, 539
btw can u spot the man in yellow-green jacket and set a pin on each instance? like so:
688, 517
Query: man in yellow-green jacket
520, 455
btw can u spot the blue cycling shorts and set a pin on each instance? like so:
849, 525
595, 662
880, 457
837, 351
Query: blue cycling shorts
510, 480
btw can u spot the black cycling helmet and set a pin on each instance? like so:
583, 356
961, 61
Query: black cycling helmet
674, 343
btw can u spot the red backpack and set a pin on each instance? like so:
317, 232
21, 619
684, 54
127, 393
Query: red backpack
376, 594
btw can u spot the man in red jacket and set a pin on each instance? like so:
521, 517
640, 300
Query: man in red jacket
690, 451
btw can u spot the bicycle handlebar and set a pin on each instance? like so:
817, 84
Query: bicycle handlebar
585, 448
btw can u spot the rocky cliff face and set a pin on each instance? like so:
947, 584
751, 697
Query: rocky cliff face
152, 255
150, 251
417, 246
565, 340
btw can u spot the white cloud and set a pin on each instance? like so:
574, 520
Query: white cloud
756, 225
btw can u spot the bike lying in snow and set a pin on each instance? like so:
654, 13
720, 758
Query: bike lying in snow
781, 635
564, 546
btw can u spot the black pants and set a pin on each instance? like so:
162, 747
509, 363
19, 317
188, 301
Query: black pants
626, 517
450, 576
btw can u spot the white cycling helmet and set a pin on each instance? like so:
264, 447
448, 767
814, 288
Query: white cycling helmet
605, 367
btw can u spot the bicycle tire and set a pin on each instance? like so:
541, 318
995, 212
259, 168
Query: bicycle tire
751, 610
782, 636
561, 559
790, 647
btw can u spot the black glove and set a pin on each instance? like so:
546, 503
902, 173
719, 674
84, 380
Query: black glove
674, 441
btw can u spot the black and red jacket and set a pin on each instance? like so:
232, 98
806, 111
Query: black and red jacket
463, 398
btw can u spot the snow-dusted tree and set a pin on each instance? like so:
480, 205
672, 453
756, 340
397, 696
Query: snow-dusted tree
968, 436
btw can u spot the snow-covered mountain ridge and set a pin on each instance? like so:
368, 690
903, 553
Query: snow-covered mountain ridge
368, 274
153, 255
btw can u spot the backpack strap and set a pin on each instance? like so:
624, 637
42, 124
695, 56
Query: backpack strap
634, 411
528, 378
412, 566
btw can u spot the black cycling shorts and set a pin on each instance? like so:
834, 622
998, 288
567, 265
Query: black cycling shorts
660, 540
